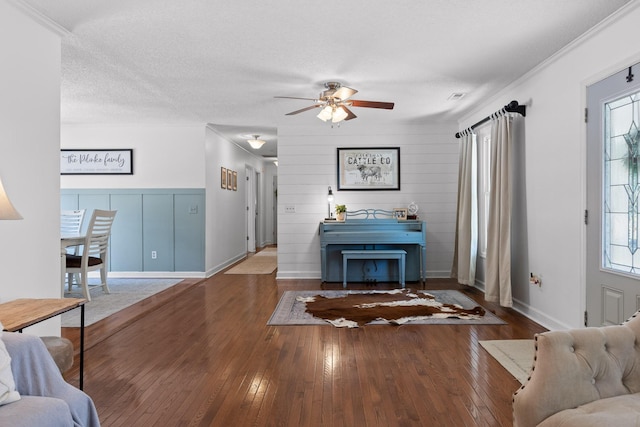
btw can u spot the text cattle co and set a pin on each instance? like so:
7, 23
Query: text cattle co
368, 159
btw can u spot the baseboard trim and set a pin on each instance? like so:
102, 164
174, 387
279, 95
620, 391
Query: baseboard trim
292, 275
530, 312
539, 317
155, 275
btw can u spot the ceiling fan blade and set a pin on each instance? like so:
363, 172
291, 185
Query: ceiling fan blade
302, 110
372, 104
350, 114
344, 92
295, 97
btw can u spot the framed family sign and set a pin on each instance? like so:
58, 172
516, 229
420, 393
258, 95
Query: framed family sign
369, 168
96, 162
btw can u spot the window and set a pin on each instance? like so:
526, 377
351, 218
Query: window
484, 186
621, 222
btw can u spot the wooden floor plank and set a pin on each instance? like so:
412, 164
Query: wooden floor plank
202, 355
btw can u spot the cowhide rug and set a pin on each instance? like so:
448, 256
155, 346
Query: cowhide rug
396, 307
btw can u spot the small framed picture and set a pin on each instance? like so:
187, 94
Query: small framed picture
223, 178
229, 179
235, 181
400, 213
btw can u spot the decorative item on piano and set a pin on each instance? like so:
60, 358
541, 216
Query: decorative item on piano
412, 211
400, 213
340, 212
329, 200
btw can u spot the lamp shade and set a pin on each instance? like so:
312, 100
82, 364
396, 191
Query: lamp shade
7, 211
339, 115
326, 113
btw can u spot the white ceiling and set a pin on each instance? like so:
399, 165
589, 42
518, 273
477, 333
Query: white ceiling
222, 62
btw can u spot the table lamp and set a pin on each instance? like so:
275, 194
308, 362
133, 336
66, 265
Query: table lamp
7, 211
329, 200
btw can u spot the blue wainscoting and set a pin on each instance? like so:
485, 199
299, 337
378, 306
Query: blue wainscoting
169, 222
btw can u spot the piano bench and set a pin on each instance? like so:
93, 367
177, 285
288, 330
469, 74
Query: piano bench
399, 254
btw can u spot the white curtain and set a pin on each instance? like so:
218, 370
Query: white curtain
466, 240
498, 268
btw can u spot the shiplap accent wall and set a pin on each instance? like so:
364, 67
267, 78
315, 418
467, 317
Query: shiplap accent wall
307, 166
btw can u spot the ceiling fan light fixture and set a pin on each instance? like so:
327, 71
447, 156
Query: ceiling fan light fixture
335, 103
326, 113
339, 115
255, 142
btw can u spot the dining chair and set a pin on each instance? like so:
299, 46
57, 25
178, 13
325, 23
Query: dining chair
95, 250
70, 224
71, 221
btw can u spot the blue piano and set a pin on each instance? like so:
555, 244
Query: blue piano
373, 234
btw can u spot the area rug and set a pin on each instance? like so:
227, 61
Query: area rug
263, 262
268, 252
124, 293
291, 309
516, 356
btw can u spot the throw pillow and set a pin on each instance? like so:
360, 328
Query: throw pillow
8, 391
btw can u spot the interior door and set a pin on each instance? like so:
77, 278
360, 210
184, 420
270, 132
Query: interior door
258, 208
275, 209
613, 188
250, 219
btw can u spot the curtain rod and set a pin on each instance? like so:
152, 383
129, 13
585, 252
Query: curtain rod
512, 107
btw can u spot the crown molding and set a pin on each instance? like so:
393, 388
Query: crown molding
38, 17
572, 45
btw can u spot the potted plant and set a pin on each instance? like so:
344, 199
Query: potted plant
340, 212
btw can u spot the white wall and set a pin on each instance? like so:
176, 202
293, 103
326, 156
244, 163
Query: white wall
29, 143
180, 156
226, 221
307, 166
555, 170
164, 156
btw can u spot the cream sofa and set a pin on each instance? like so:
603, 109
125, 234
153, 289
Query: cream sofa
583, 377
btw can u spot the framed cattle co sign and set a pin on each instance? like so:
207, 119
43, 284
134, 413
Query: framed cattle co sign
96, 162
369, 168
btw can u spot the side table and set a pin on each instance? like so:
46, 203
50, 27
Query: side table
21, 313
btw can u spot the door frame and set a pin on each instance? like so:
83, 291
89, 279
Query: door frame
584, 84
250, 209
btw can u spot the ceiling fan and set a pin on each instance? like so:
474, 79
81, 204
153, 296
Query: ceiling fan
335, 101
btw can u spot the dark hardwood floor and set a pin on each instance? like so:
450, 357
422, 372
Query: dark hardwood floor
202, 355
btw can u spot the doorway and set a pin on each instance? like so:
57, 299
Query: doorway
274, 209
612, 217
251, 204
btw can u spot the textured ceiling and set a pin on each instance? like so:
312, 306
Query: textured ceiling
222, 61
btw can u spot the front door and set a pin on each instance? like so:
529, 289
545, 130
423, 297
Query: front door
613, 199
